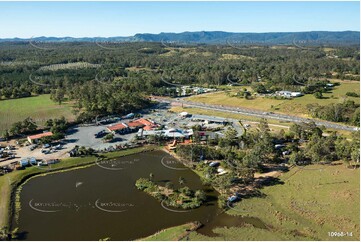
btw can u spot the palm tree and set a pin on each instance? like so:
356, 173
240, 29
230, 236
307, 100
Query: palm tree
181, 181
200, 195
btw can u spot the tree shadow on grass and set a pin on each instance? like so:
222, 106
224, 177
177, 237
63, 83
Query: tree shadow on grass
268, 181
253, 193
257, 184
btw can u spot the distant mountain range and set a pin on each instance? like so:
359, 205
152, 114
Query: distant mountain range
220, 37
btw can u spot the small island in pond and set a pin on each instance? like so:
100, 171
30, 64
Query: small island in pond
184, 197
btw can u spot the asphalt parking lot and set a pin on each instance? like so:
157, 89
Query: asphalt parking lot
173, 120
85, 136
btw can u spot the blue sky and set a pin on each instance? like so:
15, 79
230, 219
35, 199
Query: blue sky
93, 19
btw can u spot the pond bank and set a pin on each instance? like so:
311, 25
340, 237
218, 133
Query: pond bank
175, 233
11, 182
97, 191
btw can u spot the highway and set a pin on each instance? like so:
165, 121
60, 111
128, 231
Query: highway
253, 112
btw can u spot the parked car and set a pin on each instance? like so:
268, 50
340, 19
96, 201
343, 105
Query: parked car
214, 164
279, 146
100, 134
53, 161
46, 146
45, 151
48, 162
287, 152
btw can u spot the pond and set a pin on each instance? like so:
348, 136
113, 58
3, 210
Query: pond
101, 201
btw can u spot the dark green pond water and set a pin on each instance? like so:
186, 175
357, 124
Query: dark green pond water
101, 201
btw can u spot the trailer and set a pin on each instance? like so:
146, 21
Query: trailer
23, 162
32, 161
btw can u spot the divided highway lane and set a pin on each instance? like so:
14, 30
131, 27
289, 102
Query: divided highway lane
252, 112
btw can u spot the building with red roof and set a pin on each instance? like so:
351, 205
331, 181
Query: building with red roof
144, 121
121, 127
148, 128
35, 138
135, 125
132, 126
148, 124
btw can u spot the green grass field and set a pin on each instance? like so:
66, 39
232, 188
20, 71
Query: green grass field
296, 106
40, 108
307, 206
338, 95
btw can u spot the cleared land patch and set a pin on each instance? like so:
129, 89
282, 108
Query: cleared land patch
308, 205
39, 108
296, 106
74, 65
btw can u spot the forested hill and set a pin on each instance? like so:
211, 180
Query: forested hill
316, 37
219, 37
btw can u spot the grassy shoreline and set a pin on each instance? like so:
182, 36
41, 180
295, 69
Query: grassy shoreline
10, 183
306, 205
173, 233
